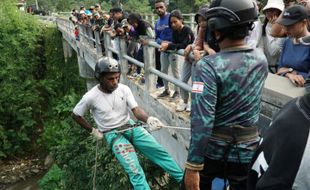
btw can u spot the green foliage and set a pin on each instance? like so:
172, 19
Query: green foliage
142, 6
38, 91
52, 180
20, 101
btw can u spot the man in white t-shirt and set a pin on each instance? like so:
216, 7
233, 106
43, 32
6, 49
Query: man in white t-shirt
109, 103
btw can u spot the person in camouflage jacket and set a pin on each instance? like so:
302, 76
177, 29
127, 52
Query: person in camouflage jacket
226, 98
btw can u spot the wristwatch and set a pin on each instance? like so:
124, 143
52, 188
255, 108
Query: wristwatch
290, 70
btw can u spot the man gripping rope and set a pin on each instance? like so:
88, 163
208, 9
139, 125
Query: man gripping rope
109, 102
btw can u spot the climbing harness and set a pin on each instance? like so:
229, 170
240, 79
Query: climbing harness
233, 135
119, 132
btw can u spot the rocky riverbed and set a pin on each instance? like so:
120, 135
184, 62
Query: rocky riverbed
22, 169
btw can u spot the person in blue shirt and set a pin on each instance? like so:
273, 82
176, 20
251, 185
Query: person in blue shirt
295, 58
163, 33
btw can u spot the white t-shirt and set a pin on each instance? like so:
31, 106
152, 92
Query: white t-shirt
109, 110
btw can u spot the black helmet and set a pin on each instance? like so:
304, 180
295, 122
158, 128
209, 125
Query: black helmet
106, 65
226, 14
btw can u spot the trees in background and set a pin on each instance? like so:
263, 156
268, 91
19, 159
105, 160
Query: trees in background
142, 6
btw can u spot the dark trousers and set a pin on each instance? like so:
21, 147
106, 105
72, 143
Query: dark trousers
235, 173
140, 58
158, 67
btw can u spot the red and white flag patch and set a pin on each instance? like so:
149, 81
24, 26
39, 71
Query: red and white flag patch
197, 87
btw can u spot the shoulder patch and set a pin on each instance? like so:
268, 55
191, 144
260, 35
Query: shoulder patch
197, 87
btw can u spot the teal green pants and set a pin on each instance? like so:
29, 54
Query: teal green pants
138, 138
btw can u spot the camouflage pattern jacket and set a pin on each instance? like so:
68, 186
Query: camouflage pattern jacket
226, 91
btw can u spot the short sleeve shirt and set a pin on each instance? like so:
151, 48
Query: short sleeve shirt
109, 110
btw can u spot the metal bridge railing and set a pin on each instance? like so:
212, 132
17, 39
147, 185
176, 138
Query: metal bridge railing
92, 39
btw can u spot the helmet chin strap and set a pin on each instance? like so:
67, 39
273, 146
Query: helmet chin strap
213, 37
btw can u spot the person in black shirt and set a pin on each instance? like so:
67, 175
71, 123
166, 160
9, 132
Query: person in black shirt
143, 31
181, 37
282, 160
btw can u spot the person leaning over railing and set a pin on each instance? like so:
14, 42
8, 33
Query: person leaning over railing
144, 32
132, 45
182, 36
98, 22
82, 18
118, 16
295, 57
199, 49
272, 45
164, 34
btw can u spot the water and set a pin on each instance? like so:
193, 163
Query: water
29, 184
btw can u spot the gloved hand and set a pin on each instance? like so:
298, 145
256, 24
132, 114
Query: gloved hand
154, 123
97, 134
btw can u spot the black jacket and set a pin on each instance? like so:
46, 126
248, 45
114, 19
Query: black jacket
282, 160
180, 39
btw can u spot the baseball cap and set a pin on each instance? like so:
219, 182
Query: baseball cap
293, 15
96, 14
274, 4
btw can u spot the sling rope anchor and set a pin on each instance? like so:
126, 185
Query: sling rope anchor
121, 131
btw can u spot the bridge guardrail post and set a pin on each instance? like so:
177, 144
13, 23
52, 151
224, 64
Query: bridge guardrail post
149, 62
192, 22
107, 44
82, 33
98, 44
122, 60
90, 36
153, 20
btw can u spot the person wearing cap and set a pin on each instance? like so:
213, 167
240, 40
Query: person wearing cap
92, 9
108, 21
226, 100
97, 7
98, 22
109, 103
295, 57
282, 159
272, 45
83, 18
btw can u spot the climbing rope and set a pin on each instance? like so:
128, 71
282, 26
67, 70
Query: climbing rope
174, 127
95, 167
120, 131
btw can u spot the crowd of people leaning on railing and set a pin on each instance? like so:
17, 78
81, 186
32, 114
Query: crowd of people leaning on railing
277, 40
